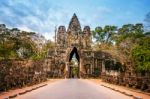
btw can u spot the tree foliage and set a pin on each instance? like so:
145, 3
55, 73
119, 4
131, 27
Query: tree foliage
20, 44
129, 31
141, 54
44, 51
129, 41
104, 35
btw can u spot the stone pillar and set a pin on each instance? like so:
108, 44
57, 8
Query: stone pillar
103, 66
96, 64
92, 69
80, 67
66, 70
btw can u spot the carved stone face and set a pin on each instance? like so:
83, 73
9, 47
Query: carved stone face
75, 36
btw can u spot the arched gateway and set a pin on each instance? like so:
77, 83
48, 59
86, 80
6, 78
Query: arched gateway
75, 42
72, 67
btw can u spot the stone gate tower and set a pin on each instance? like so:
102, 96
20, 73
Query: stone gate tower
74, 36
75, 41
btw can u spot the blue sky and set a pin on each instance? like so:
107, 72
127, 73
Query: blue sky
43, 15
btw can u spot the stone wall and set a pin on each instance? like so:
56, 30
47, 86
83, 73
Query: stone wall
19, 73
136, 82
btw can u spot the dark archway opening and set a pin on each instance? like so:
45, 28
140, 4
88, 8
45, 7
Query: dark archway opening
74, 53
74, 61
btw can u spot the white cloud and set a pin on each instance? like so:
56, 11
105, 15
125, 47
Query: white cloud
32, 17
43, 15
25, 16
25, 28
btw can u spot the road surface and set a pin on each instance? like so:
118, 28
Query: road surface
73, 89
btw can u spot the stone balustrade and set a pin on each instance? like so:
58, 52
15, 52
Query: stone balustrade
142, 83
19, 73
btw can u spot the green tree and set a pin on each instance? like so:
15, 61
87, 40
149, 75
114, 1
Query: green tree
16, 44
25, 46
141, 55
6, 44
44, 51
104, 35
109, 31
129, 31
127, 38
98, 35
